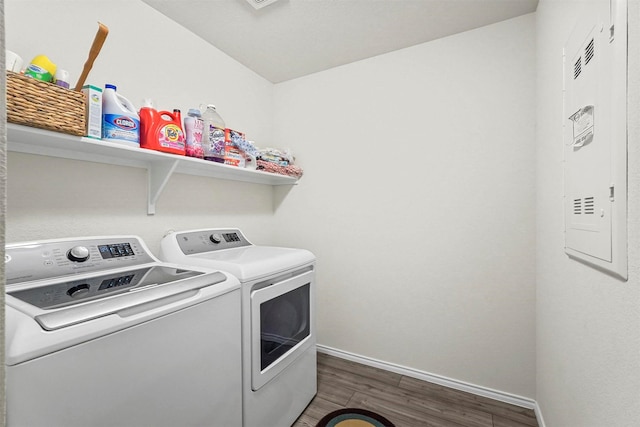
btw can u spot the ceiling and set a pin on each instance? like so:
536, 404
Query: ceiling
292, 38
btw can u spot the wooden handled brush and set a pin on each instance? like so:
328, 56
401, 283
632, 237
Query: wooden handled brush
98, 41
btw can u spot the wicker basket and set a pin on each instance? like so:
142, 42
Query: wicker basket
43, 105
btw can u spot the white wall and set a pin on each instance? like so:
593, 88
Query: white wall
588, 323
418, 199
3, 191
145, 55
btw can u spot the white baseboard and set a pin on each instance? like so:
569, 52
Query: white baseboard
438, 379
539, 416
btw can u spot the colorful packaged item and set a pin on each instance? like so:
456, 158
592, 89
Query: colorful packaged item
233, 155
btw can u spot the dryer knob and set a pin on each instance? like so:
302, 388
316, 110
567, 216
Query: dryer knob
78, 254
215, 238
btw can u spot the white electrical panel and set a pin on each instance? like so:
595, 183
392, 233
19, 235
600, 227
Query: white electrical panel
595, 137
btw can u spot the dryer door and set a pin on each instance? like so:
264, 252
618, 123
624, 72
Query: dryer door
282, 325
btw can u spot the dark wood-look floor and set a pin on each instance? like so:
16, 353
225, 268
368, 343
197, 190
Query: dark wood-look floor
405, 401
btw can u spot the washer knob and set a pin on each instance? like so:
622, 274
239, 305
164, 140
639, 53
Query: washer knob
78, 254
78, 291
215, 238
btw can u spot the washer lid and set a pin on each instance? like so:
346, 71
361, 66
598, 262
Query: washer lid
251, 262
60, 304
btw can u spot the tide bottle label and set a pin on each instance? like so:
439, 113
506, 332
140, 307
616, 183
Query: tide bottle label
171, 136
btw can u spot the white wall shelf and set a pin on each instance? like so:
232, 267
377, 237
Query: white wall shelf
160, 166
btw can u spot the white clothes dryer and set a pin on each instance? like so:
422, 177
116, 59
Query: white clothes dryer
101, 333
278, 318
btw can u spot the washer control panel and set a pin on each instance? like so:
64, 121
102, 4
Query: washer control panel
70, 292
195, 242
116, 250
29, 261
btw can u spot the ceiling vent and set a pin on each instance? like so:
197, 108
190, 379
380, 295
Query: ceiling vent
259, 4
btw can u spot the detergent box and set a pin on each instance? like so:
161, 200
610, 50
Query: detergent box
232, 154
93, 111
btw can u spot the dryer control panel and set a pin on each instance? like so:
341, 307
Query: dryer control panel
215, 239
25, 262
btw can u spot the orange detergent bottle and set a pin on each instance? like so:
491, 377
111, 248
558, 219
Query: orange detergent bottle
162, 131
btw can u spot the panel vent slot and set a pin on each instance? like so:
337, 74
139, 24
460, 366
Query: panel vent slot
584, 206
589, 52
577, 68
589, 205
577, 206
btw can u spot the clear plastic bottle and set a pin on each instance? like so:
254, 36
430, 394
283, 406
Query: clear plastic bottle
193, 131
213, 143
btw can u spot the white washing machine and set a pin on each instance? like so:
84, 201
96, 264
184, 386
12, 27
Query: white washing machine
278, 318
101, 333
